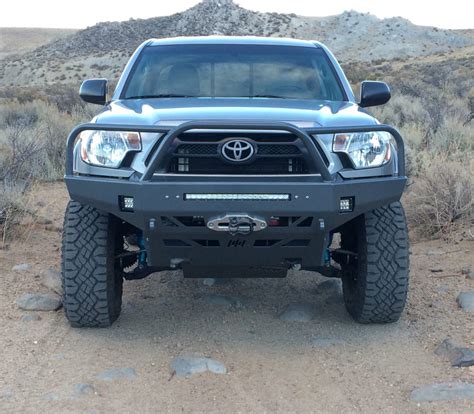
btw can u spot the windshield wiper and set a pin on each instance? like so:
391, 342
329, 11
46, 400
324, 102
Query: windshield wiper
162, 95
267, 96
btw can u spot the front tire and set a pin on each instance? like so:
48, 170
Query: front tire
375, 281
92, 287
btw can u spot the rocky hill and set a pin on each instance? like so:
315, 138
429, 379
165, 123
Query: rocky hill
102, 50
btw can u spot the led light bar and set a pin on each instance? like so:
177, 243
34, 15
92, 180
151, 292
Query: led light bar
249, 197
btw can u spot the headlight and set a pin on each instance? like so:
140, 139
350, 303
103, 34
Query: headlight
108, 148
365, 149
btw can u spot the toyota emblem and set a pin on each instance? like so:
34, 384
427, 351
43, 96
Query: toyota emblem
237, 150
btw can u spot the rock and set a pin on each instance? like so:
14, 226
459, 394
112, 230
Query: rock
39, 302
43, 221
31, 317
326, 342
6, 393
465, 301
436, 269
466, 270
298, 312
117, 374
58, 357
457, 355
21, 267
185, 366
335, 299
128, 305
235, 301
465, 358
330, 286
442, 289
443, 392
434, 252
50, 396
51, 278
446, 348
220, 281
83, 389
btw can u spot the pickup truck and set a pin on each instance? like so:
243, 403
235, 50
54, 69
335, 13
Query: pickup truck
234, 157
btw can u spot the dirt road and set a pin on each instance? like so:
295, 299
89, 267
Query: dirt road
272, 365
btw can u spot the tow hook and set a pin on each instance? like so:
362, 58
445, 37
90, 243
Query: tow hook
235, 224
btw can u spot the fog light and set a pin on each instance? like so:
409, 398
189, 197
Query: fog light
126, 203
346, 204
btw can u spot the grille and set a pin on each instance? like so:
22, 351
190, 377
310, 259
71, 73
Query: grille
278, 149
275, 154
260, 166
197, 149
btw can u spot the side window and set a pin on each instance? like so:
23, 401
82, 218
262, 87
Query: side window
330, 89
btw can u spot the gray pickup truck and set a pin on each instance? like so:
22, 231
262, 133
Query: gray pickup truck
234, 157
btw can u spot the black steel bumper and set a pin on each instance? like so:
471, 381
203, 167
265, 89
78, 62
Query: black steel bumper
313, 206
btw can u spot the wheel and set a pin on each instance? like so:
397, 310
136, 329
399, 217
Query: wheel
92, 286
375, 279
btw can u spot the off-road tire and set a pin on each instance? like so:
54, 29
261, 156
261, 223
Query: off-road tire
375, 283
92, 287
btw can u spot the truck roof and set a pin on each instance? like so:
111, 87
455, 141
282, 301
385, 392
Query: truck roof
236, 40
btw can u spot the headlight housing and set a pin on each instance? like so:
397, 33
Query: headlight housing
365, 149
108, 148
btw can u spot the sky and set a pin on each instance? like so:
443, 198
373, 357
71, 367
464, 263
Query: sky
452, 14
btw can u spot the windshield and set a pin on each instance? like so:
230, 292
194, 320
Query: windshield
230, 70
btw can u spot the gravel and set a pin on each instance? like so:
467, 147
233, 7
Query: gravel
326, 342
113, 374
39, 302
185, 366
443, 392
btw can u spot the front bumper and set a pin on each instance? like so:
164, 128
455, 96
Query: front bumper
169, 242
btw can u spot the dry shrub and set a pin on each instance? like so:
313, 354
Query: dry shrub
13, 207
441, 201
32, 148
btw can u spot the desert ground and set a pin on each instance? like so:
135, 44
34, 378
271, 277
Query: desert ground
326, 364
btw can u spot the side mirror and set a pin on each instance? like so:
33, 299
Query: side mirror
94, 91
374, 93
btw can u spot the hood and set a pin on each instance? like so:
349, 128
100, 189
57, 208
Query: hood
303, 113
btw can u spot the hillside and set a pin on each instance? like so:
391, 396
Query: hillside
18, 40
104, 48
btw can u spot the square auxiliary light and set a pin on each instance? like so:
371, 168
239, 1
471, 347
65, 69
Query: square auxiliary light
346, 204
126, 203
